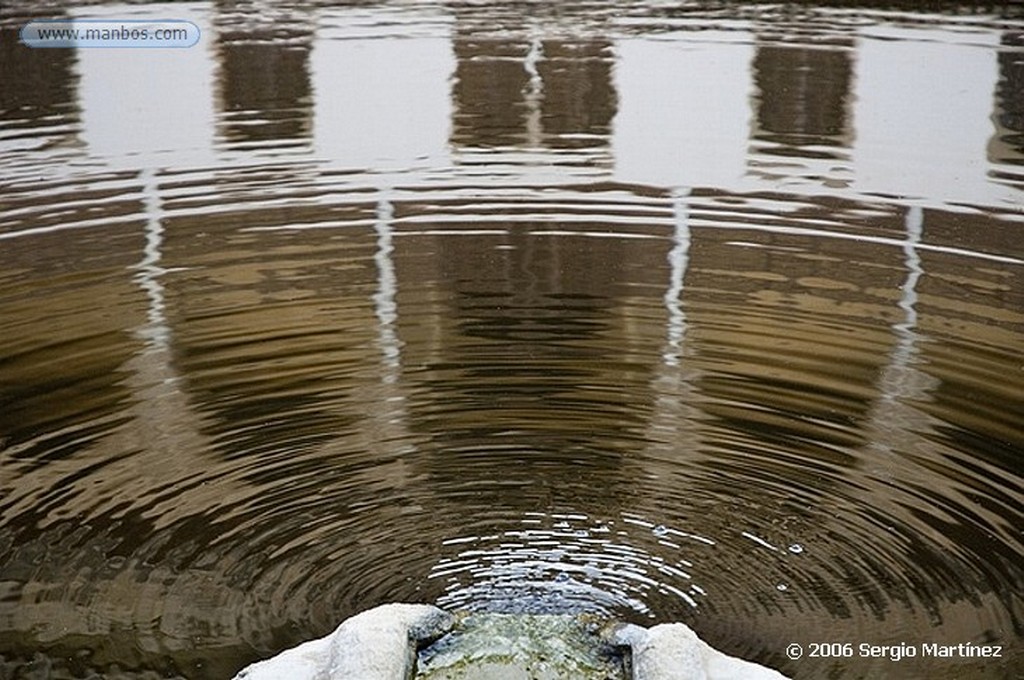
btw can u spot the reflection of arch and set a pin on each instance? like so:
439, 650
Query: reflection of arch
517, 315
137, 493
884, 437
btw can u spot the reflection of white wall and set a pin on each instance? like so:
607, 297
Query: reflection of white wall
148, 106
383, 102
923, 106
684, 110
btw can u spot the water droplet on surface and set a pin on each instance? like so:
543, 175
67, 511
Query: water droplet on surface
796, 548
660, 530
562, 577
782, 587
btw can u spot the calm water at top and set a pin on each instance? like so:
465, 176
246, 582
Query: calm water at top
664, 311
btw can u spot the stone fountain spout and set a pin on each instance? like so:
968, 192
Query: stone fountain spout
378, 644
382, 644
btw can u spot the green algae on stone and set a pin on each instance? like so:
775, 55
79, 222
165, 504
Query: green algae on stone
521, 647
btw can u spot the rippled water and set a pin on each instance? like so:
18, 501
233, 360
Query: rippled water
667, 312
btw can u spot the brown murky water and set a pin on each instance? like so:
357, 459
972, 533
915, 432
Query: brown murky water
665, 312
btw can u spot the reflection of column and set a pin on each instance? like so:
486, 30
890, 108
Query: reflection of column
906, 329
893, 423
159, 450
37, 95
671, 428
167, 430
801, 112
678, 259
384, 298
155, 332
579, 98
672, 424
488, 93
802, 95
385, 432
265, 87
533, 93
1007, 144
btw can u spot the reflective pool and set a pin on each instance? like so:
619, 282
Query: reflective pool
700, 312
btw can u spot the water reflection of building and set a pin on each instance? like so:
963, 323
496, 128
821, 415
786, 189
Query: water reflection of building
517, 362
862, 110
844, 384
920, 135
776, 362
580, 100
522, 318
382, 101
802, 99
265, 87
802, 110
489, 89
535, 93
684, 113
37, 94
1007, 144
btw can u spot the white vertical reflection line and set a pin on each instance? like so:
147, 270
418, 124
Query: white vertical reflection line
384, 298
899, 379
156, 332
534, 94
165, 429
673, 428
678, 259
895, 423
912, 260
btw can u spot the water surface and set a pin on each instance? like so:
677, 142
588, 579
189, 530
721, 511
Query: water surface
662, 312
